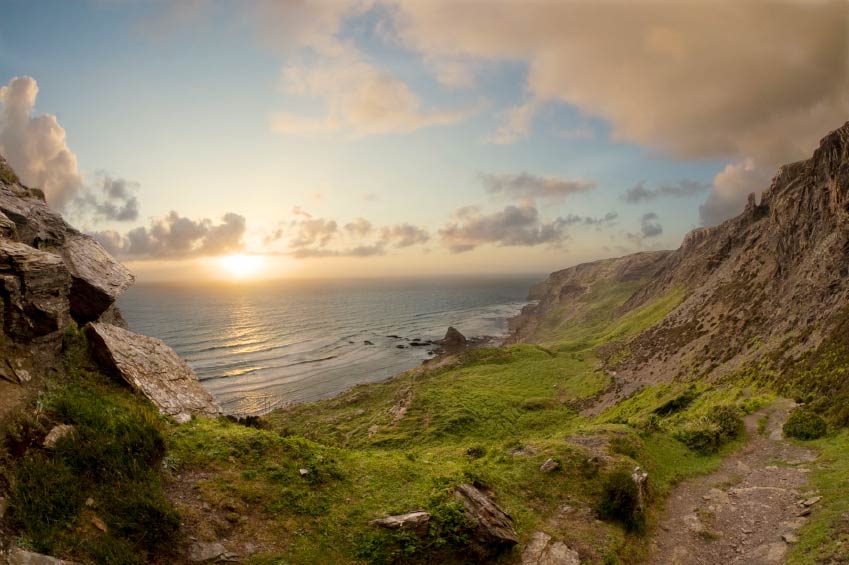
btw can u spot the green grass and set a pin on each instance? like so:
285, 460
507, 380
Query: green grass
106, 469
825, 538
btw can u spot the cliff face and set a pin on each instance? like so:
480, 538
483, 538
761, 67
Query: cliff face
51, 276
772, 281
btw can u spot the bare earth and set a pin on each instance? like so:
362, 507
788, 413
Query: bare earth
749, 511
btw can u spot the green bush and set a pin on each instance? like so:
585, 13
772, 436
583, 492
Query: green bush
143, 515
708, 433
620, 500
804, 424
677, 403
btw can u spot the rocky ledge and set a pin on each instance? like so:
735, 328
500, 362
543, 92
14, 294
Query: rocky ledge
52, 277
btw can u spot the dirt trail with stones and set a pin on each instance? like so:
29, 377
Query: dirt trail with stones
750, 510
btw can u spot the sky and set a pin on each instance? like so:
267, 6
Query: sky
358, 139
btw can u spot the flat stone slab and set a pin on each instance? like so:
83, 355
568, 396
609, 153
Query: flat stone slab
152, 368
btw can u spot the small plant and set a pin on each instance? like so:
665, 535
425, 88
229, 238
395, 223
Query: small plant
804, 424
621, 500
708, 433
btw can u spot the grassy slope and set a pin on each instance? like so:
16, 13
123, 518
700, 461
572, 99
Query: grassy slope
492, 418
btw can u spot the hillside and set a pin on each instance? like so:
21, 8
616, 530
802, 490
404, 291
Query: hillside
627, 381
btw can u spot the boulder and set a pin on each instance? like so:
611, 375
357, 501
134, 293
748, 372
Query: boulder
453, 338
34, 287
203, 552
55, 434
540, 551
152, 368
492, 525
409, 521
7, 227
113, 317
97, 278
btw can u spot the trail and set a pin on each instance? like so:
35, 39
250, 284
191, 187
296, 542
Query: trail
748, 511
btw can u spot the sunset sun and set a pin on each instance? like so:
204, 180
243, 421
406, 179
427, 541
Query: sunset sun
241, 266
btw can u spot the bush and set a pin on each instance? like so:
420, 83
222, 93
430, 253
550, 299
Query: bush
620, 500
141, 514
804, 424
710, 432
677, 403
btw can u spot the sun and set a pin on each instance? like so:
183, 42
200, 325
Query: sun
241, 266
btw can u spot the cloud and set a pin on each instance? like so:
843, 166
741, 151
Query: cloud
682, 188
359, 228
311, 231
359, 99
525, 186
177, 237
35, 146
649, 226
116, 201
729, 80
731, 187
573, 219
512, 226
404, 235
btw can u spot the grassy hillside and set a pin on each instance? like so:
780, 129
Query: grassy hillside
490, 417
302, 485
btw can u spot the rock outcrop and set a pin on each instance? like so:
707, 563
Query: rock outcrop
542, 550
493, 527
453, 338
51, 276
152, 368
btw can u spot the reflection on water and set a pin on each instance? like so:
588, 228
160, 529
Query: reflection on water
259, 346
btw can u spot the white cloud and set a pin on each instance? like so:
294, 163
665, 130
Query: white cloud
35, 145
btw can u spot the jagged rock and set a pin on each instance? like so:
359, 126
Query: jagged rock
811, 501
97, 278
409, 521
55, 434
34, 288
18, 556
549, 466
540, 551
152, 368
493, 526
453, 338
641, 480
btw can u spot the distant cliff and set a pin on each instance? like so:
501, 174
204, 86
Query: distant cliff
767, 287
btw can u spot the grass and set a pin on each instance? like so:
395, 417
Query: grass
491, 417
825, 538
105, 471
304, 484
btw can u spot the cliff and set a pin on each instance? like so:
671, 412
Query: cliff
53, 277
770, 283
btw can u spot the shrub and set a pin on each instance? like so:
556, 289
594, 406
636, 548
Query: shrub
804, 424
141, 514
620, 500
708, 433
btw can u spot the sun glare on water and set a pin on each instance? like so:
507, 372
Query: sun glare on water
241, 266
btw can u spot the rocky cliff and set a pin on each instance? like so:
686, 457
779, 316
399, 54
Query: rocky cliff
770, 283
53, 276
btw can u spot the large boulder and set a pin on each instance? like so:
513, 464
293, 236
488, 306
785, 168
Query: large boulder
97, 278
152, 368
34, 287
493, 527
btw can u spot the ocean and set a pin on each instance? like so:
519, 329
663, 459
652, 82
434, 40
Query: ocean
259, 346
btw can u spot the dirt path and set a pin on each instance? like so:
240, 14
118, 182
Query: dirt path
748, 511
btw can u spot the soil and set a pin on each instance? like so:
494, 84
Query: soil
748, 511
